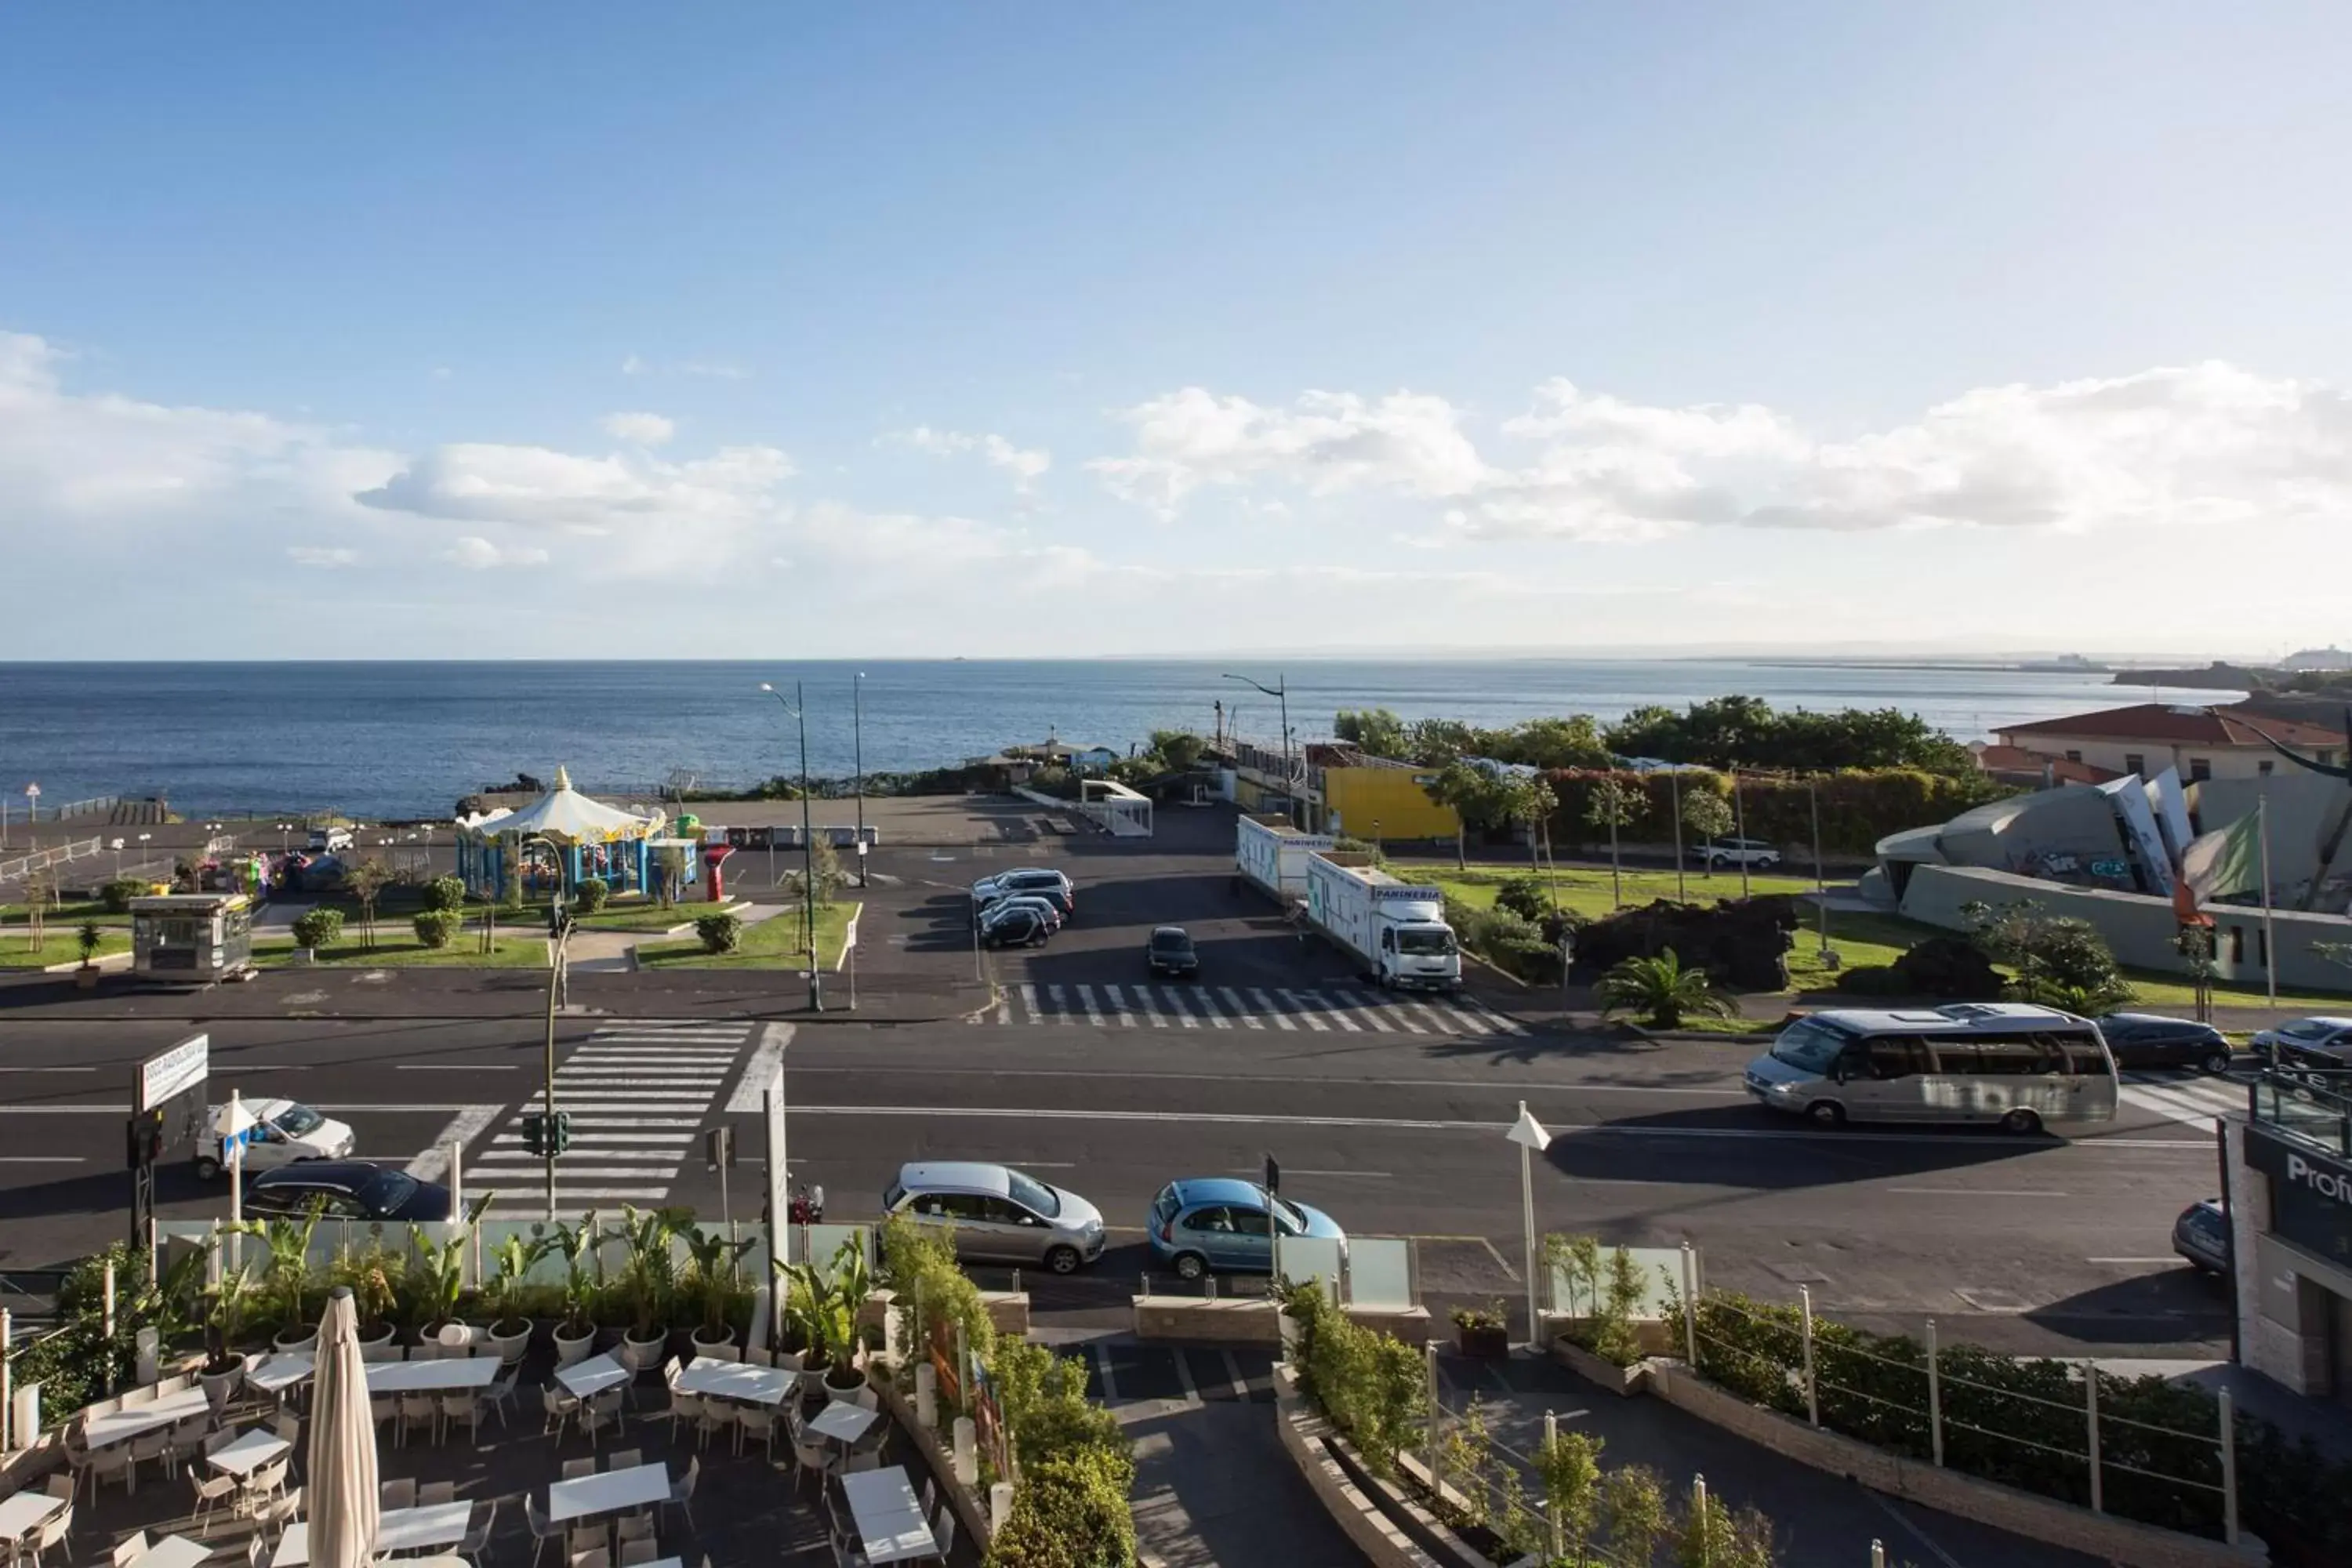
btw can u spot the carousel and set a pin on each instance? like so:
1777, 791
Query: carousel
554, 843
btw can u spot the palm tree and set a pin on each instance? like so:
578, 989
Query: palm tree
1660, 991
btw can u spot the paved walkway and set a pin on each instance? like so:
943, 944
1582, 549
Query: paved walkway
1821, 1521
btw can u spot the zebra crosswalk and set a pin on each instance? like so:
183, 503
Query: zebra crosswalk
637, 1093
2193, 1100
1295, 1009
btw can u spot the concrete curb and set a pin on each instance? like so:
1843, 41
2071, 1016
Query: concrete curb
1311, 1443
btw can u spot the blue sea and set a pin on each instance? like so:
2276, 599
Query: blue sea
407, 740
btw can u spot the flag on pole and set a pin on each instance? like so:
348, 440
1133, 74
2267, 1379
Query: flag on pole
2225, 864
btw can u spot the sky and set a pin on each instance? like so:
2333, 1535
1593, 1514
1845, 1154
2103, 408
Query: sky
1052, 330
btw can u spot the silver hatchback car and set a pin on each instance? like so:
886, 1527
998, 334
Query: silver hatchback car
998, 1215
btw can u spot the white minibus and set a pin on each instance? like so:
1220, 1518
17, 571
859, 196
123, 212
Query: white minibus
2023, 1067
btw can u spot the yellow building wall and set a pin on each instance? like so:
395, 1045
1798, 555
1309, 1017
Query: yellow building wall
1392, 798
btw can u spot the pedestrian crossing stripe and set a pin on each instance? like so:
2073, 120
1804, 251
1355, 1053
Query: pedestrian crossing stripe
1138, 1006
2190, 1100
635, 1094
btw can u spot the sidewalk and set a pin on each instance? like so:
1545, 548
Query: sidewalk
1819, 1521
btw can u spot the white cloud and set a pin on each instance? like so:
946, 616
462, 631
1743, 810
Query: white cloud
1327, 443
640, 429
539, 487
322, 555
2204, 444
633, 365
478, 554
1026, 464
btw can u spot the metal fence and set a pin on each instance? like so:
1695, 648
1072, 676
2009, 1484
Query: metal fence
1932, 1408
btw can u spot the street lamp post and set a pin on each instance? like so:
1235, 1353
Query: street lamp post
1280, 690
1529, 1135
798, 709
857, 745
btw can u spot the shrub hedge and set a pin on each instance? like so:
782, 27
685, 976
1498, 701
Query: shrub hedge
318, 927
444, 893
1859, 807
439, 928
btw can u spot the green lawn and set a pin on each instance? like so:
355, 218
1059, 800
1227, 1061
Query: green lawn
76, 910
1588, 890
774, 943
60, 944
637, 914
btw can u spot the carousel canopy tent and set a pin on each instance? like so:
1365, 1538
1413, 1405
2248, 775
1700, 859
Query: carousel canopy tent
595, 840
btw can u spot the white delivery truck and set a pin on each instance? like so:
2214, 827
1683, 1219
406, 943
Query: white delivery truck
1271, 856
1399, 931
273, 1132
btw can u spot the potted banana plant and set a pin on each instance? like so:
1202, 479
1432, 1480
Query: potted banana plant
286, 1277
713, 1259
575, 1334
225, 1306
823, 1304
436, 1276
649, 1279
513, 1260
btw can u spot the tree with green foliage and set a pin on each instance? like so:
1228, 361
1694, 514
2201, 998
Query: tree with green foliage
87, 940
117, 893
1746, 730
1613, 805
1069, 1512
1525, 896
1470, 793
824, 867
1706, 815
2057, 961
444, 893
367, 880
1178, 751
1634, 1511
1568, 1467
1378, 731
1529, 802
1660, 991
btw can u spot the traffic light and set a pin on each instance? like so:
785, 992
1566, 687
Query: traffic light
534, 1133
561, 1131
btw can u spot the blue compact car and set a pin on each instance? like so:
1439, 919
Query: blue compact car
1219, 1222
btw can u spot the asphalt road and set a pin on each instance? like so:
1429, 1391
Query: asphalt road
2027, 1244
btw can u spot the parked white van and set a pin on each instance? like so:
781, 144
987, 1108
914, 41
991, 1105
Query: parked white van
2021, 1066
277, 1132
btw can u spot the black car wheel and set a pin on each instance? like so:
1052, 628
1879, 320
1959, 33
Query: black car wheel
1826, 1113
2215, 1061
1064, 1260
1191, 1266
2020, 1123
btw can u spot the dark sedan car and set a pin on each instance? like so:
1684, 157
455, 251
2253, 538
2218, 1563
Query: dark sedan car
1015, 928
2202, 1234
347, 1189
1170, 951
2149, 1040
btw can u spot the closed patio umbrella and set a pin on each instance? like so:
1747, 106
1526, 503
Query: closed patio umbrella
340, 1483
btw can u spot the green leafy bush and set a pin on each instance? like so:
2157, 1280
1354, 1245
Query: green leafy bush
918, 1266
721, 932
592, 894
444, 893
1523, 896
439, 928
1660, 991
2056, 961
1372, 1386
1858, 806
1068, 1512
117, 894
318, 927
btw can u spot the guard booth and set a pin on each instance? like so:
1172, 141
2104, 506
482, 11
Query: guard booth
192, 938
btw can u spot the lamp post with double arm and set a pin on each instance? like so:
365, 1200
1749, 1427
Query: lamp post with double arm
798, 709
1280, 690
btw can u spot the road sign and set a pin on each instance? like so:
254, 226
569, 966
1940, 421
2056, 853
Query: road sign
719, 1147
163, 1075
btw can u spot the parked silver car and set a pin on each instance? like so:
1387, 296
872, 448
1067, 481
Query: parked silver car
998, 1215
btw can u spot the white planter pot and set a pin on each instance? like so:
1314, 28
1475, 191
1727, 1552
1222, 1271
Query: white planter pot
724, 1346
302, 1338
570, 1352
508, 1347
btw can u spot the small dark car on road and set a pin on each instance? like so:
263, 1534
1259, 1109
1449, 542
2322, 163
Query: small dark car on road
1170, 951
1015, 928
2151, 1040
346, 1189
2202, 1234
